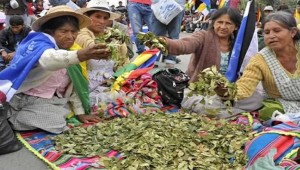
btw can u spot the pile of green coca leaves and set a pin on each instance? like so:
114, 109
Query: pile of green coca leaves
161, 141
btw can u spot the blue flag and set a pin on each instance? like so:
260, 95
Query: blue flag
242, 42
27, 55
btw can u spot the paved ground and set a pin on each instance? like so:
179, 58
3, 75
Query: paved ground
21, 160
25, 160
184, 58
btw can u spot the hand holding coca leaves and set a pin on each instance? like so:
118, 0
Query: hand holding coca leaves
153, 41
113, 38
210, 83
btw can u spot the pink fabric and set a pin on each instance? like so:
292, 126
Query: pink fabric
57, 83
148, 2
234, 3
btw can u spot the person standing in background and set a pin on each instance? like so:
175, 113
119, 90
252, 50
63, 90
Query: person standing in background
16, 7
171, 30
121, 8
139, 12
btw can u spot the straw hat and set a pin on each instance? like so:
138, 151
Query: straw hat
99, 5
58, 11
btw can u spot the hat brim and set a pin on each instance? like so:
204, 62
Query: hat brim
112, 14
84, 21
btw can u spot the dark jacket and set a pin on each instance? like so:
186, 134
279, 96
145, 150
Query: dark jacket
8, 41
122, 9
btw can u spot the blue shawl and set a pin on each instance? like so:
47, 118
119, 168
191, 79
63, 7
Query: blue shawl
27, 55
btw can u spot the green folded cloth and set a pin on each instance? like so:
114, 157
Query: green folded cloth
269, 106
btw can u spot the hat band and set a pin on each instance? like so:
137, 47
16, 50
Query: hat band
101, 8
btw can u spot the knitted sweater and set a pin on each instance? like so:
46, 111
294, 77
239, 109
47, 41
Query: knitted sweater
204, 47
257, 70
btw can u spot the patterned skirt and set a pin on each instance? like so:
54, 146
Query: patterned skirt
30, 112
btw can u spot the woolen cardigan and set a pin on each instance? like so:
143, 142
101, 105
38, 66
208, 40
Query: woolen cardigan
204, 47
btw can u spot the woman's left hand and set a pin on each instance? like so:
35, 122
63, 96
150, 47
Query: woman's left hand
221, 90
88, 118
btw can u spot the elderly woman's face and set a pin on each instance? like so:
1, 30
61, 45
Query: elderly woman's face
99, 21
65, 36
278, 37
224, 27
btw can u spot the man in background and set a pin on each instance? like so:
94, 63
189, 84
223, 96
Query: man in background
121, 8
10, 38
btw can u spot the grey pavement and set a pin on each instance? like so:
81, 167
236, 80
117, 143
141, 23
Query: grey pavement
25, 160
21, 160
184, 58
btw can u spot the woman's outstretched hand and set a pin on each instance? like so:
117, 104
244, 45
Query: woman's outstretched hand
96, 51
88, 118
153, 41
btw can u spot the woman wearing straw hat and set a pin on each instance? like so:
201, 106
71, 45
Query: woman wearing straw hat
46, 96
99, 70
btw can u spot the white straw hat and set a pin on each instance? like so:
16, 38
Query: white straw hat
99, 5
